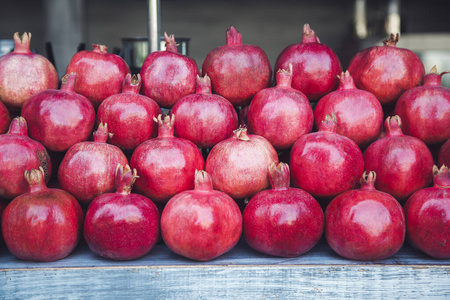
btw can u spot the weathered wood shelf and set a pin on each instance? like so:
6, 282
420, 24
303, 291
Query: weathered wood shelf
240, 274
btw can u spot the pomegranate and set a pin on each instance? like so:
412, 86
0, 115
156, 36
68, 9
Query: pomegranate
204, 118
325, 163
315, 65
358, 112
99, 74
122, 225
425, 110
43, 224
281, 114
88, 168
238, 165
129, 115
201, 224
167, 76
444, 154
365, 224
386, 71
403, 163
5, 118
19, 153
282, 221
59, 118
237, 71
24, 73
428, 216
166, 164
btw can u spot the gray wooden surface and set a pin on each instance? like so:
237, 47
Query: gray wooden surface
241, 274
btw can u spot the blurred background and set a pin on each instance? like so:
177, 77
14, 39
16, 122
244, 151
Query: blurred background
61, 27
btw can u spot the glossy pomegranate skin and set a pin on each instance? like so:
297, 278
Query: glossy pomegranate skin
43, 224
386, 71
122, 225
315, 65
201, 224
282, 221
88, 168
403, 163
325, 163
238, 165
167, 76
365, 224
129, 115
428, 216
5, 118
24, 73
425, 110
359, 113
59, 118
237, 71
166, 165
204, 118
19, 153
281, 114
99, 74
444, 154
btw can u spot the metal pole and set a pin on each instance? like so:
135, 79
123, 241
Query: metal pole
154, 25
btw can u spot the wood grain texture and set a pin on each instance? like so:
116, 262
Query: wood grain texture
241, 274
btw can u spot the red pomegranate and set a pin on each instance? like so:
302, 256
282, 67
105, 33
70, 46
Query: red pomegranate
204, 118
324, 163
99, 74
5, 118
386, 71
166, 164
428, 216
43, 224
24, 73
315, 65
358, 112
88, 168
237, 71
19, 153
281, 114
425, 110
444, 154
365, 224
238, 165
403, 163
59, 118
122, 225
201, 224
129, 115
282, 221
167, 76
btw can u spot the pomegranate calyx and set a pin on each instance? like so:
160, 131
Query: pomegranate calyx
309, 36
171, 45
392, 40
279, 176
441, 177
203, 85
22, 44
233, 36
203, 181
125, 179
241, 133
329, 123
393, 126
284, 77
35, 179
100, 48
346, 81
367, 180
165, 127
132, 83
101, 135
68, 82
18, 126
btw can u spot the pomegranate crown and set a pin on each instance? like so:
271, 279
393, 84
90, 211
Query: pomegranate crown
309, 36
125, 179
22, 44
241, 133
392, 40
171, 45
441, 177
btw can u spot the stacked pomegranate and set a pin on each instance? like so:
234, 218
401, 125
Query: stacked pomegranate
197, 181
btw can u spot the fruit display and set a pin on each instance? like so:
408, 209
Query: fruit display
207, 175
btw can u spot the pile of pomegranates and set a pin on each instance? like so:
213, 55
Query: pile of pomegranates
310, 158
